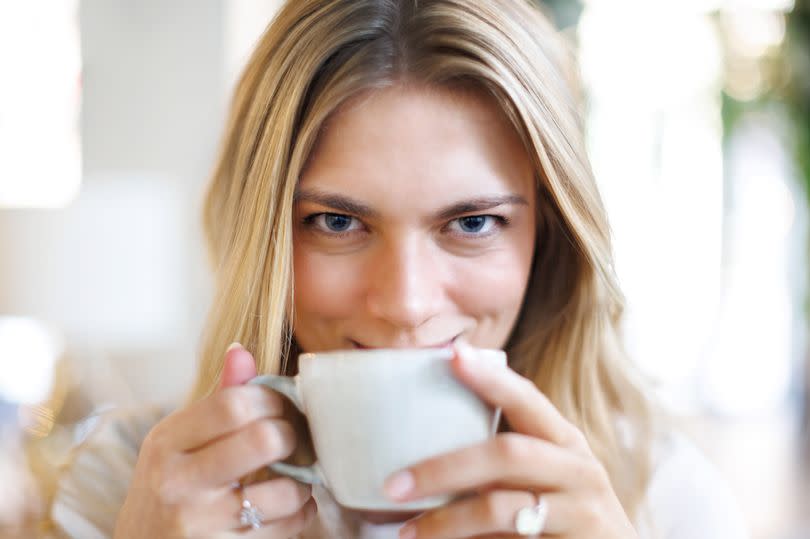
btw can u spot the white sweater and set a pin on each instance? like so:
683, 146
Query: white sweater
686, 498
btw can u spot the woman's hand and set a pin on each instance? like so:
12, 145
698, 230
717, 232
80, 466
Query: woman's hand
546, 454
183, 481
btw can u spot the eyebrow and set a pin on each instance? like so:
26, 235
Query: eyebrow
342, 203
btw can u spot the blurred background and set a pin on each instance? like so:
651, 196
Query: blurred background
699, 131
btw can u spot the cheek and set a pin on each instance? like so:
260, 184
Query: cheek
492, 288
324, 286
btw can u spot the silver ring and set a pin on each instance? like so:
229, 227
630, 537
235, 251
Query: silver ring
249, 515
530, 521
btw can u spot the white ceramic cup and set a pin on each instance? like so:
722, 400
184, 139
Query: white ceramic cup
374, 412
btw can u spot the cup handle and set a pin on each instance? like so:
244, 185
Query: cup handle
288, 386
496, 420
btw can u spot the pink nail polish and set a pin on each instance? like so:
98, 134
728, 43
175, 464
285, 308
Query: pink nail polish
465, 351
408, 531
399, 485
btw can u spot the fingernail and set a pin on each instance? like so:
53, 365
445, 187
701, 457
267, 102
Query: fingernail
408, 531
233, 345
399, 485
466, 353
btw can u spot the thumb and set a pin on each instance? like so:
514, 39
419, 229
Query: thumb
239, 366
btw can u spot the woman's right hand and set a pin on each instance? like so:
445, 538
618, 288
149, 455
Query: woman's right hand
182, 486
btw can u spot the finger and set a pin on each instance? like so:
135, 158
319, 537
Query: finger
511, 459
238, 367
524, 406
274, 499
215, 416
493, 513
286, 527
221, 510
223, 462
223, 412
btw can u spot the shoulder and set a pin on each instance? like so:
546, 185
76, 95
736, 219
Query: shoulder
92, 485
687, 497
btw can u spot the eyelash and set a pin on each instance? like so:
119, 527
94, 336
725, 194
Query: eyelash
309, 221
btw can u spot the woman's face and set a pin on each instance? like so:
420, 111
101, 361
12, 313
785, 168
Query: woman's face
414, 225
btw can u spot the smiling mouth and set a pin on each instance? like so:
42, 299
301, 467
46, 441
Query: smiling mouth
446, 344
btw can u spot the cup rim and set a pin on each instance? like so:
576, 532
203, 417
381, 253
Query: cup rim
373, 354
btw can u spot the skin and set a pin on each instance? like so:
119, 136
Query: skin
182, 485
414, 227
416, 236
429, 258
544, 454
385, 256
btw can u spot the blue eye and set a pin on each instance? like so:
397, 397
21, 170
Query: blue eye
336, 222
333, 224
473, 223
477, 226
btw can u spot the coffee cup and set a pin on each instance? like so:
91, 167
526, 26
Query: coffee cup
374, 412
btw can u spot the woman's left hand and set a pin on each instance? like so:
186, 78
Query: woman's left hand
545, 455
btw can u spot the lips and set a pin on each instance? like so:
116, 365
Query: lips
445, 344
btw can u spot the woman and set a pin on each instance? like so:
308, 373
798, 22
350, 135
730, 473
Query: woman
398, 173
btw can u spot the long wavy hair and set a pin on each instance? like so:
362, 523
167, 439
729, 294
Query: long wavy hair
316, 55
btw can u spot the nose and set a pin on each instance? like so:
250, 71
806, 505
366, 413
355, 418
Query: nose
404, 284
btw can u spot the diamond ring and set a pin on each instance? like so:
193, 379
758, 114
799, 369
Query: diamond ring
249, 515
531, 520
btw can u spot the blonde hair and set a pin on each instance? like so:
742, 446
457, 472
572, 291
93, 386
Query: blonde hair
317, 54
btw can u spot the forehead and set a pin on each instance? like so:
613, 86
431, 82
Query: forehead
411, 141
